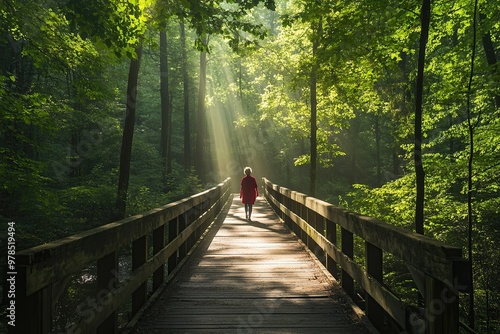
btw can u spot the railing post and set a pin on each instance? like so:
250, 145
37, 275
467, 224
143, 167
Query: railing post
188, 220
107, 273
321, 228
182, 226
290, 205
314, 220
374, 267
331, 235
139, 257
173, 231
347, 249
441, 307
310, 218
33, 312
301, 211
200, 208
158, 244
296, 208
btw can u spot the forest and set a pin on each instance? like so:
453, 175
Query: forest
389, 108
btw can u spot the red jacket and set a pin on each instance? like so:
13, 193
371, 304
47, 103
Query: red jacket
249, 191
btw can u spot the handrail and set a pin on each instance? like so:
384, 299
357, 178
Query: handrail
438, 269
44, 270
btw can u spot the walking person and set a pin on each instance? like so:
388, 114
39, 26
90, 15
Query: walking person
248, 192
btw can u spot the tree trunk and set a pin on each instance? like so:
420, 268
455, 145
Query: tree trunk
491, 58
314, 110
377, 143
419, 169
201, 123
470, 165
74, 163
165, 109
128, 133
185, 80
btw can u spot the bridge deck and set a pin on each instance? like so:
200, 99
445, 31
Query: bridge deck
251, 277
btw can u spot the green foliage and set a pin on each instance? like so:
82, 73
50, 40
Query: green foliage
116, 24
367, 68
62, 93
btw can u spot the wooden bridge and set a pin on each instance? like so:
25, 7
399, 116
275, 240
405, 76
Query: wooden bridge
197, 266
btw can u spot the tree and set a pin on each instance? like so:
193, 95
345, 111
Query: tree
470, 127
166, 113
128, 135
185, 83
201, 151
419, 168
316, 34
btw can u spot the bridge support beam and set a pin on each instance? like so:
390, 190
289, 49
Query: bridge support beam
374, 267
331, 235
347, 249
158, 244
34, 312
107, 268
139, 257
441, 307
173, 231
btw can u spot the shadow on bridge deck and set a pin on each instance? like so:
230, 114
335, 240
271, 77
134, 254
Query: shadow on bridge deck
251, 277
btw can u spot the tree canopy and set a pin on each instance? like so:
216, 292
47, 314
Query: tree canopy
317, 96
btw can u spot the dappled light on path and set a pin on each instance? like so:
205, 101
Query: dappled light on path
251, 277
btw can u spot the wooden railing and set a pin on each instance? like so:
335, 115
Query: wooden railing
43, 272
438, 269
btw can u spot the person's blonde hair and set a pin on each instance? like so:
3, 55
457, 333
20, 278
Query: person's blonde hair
247, 170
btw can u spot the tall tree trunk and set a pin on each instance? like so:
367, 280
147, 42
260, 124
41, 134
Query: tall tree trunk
419, 168
406, 106
470, 164
201, 122
185, 80
74, 165
491, 58
165, 109
314, 109
128, 134
354, 143
377, 143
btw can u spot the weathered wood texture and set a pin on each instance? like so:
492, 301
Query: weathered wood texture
252, 277
44, 270
438, 268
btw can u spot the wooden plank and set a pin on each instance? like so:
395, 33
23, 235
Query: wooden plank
251, 277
